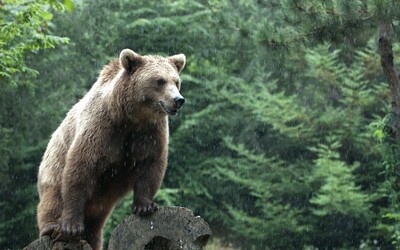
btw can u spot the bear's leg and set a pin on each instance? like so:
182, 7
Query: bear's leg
146, 186
77, 187
49, 209
72, 217
93, 231
79, 179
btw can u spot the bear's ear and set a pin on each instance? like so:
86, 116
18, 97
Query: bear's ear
130, 60
179, 61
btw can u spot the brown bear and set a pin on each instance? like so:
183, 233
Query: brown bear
115, 139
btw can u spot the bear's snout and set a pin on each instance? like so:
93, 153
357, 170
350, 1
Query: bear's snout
179, 101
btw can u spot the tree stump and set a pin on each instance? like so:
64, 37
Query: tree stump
46, 243
169, 228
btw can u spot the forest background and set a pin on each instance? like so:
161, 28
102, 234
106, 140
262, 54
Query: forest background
284, 141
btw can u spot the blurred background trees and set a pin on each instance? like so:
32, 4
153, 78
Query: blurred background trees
282, 143
25, 29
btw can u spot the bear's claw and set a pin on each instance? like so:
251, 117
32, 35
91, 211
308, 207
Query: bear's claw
49, 228
71, 228
144, 208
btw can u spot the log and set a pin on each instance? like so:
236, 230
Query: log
166, 229
169, 228
46, 243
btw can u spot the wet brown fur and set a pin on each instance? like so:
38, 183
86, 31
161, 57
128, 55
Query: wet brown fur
114, 140
110, 70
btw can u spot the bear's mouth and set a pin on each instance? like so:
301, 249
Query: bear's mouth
167, 110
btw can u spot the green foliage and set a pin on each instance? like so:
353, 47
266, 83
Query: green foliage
313, 21
337, 201
338, 193
24, 27
24, 120
272, 160
270, 217
390, 148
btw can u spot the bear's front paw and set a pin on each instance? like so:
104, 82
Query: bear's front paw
144, 207
72, 227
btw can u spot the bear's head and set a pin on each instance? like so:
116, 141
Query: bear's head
152, 82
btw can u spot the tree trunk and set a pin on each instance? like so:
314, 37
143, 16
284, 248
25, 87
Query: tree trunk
385, 48
392, 126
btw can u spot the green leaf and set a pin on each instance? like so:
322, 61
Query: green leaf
68, 5
46, 16
378, 134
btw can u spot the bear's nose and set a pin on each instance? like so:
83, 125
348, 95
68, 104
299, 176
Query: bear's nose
179, 101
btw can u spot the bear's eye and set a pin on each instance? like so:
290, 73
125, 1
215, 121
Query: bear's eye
161, 81
177, 83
